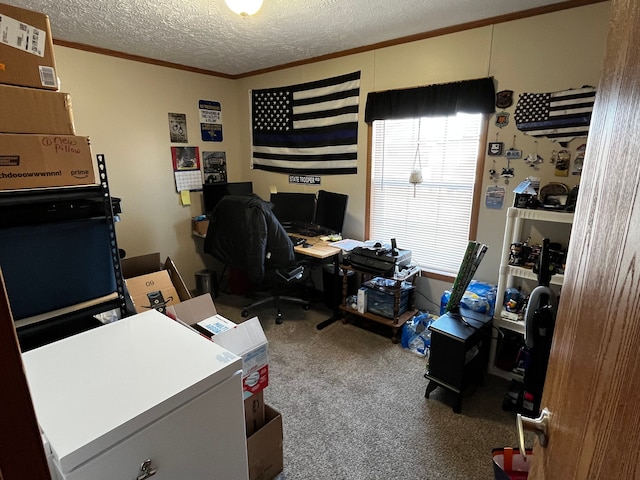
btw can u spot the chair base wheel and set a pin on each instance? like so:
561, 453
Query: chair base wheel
244, 313
306, 307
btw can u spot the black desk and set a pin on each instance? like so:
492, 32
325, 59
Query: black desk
459, 352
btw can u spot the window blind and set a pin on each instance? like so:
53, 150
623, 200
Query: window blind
433, 219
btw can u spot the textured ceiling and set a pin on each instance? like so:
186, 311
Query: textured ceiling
205, 34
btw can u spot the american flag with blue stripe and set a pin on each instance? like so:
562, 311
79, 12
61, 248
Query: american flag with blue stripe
310, 128
559, 116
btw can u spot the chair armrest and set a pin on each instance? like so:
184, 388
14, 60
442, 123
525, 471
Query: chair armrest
290, 274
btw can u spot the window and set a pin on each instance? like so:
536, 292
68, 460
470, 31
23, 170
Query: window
433, 219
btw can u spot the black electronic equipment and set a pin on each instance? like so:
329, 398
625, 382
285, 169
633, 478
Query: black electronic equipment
379, 260
292, 207
213, 192
296, 240
331, 209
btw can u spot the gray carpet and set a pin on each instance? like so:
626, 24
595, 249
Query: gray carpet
353, 405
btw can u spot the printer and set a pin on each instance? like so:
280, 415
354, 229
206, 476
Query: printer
379, 259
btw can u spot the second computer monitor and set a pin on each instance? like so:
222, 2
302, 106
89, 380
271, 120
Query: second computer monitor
292, 207
330, 210
213, 192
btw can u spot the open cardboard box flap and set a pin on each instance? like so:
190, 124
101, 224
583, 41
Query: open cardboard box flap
150, 263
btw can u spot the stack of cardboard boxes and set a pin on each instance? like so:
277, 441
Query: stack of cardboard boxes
38, 144
152, 285
247, 340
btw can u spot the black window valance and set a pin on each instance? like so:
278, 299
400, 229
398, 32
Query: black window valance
468, 96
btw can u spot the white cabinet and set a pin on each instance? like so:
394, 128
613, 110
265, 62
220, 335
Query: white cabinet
517, 219
143, 388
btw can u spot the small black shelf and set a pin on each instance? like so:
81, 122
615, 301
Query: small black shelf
459, 352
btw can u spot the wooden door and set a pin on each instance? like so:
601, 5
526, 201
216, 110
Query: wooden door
21, 453
593, 381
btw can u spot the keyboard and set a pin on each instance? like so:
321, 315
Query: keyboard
312, 230
296, 240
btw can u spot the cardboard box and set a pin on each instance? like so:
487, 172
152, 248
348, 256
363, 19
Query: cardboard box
254, 413
26, 49
247, 340
150, 263
29, 110
36, 161
196, 310
264, 448
153, 290
199, 226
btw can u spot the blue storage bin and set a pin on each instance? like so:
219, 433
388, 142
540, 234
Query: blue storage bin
381, 296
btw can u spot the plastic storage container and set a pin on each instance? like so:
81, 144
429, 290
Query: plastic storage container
381, 296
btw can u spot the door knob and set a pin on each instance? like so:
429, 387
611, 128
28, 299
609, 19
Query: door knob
538, 425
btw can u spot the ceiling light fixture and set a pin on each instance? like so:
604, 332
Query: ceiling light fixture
244, 7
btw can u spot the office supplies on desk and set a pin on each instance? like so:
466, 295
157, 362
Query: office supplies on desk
296, 240
347, 244
310, 229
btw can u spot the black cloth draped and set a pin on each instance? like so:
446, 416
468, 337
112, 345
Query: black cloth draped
468, 96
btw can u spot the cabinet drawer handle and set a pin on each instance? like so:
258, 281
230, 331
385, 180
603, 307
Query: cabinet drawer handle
146, 470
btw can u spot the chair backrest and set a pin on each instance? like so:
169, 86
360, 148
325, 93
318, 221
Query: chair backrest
244, 232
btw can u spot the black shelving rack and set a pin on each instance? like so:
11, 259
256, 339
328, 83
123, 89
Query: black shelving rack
57, 205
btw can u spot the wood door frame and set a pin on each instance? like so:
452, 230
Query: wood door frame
22, 453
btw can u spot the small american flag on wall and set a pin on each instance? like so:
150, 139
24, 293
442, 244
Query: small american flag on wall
310, 128
560, 116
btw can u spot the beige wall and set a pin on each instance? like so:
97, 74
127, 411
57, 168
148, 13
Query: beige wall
539, 54
123, 106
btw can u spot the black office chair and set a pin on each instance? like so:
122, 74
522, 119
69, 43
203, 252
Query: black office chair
243, 232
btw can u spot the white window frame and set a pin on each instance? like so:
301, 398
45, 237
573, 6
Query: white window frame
434, 219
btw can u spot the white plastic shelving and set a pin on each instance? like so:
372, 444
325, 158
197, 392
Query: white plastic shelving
516, 218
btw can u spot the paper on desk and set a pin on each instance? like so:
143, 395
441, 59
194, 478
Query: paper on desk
347, 244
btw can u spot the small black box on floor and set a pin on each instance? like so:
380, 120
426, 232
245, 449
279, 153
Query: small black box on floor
459, 352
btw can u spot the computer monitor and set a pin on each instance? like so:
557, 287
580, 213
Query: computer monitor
331, 209
213, 192
290, 208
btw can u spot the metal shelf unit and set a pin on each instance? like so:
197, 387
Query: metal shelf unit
75, 205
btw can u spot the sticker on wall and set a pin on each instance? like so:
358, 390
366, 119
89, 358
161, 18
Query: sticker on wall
214, 167
494, 197
178, 127
210, 120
